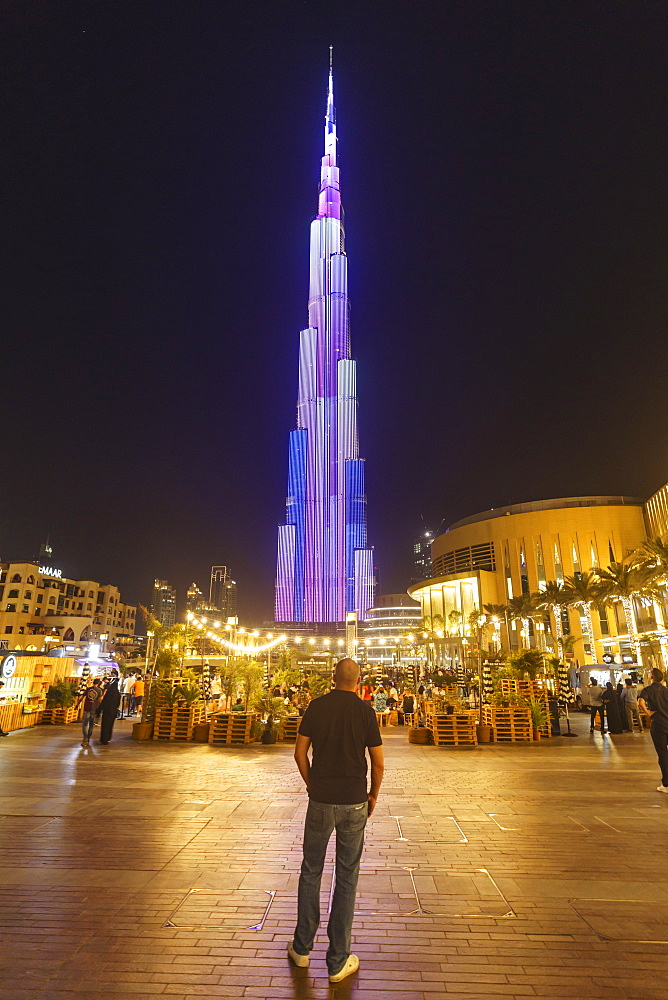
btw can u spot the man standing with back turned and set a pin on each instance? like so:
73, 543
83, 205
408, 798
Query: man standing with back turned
340, 727
653, 700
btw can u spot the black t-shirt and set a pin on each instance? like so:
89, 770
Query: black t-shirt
340, 726
655, 697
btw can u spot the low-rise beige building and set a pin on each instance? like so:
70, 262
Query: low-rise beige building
40, 607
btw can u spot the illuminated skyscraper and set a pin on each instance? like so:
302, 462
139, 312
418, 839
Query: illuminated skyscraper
325, 568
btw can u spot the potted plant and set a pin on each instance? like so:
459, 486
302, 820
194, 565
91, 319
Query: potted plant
538, 719
274, 711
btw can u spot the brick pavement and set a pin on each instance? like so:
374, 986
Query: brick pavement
497, 873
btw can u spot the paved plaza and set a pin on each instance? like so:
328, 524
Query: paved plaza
161, 869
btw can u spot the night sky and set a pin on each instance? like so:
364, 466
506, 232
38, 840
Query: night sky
503, 177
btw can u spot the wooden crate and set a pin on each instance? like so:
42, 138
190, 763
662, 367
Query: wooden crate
458, 729
291, 728
531, 691
60, 716
177, 722
510, 725
231, 728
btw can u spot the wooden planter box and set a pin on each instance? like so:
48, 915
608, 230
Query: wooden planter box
456, 730
510, 725
231, 729
291, 728
177, 722
60, 716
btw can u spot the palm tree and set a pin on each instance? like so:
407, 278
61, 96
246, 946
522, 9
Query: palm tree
585, 593
522, 608
624, 583
653, 554
554, 597
498, 613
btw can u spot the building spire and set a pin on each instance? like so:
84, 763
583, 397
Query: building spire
330, 117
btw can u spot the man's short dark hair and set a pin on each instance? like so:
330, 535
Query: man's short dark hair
628, 682
97, 682
656, 674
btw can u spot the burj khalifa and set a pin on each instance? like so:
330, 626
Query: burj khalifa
324, 566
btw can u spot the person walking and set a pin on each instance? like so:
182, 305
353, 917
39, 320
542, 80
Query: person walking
137, 694
630, 704
125, 688
653, 700
2, 698
91, 698
110, 701
596, 702
339, 727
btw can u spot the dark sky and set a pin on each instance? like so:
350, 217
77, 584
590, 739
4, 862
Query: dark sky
503, 177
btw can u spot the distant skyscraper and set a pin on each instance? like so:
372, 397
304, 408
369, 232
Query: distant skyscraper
422, 557
223, 592
164, 603
324, 567
194, 597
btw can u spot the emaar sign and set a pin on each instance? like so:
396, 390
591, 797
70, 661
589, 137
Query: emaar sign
48, 571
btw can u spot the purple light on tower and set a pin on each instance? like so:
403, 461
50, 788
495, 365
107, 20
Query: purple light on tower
324, 568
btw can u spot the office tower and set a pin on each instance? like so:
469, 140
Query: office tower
164, 603
422, 557
324, 567
223, 592
194, 597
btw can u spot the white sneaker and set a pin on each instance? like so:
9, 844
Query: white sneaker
300, 960
352, 965
662, 788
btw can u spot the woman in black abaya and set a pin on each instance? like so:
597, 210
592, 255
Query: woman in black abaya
110, 703
613, 709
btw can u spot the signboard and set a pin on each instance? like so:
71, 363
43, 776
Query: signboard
49, 571
8, 666
608, 658
628, 658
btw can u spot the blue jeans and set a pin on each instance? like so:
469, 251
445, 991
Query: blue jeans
349, 822
88, 722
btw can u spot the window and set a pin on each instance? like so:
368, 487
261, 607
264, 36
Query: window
90, 593
27, 595
80, 606
31, 579
13, 593
10, 607
16, 578
40, 598
52, 600
8, 629
37, 612
26, 609
89, 607
67, 604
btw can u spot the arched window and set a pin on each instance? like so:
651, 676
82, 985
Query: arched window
52, 600
31, 648
16, 578
69, 635
84, 635
90, 593
27, 595
31, 579
18, 645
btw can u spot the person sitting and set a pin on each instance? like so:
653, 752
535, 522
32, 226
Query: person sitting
238, 705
